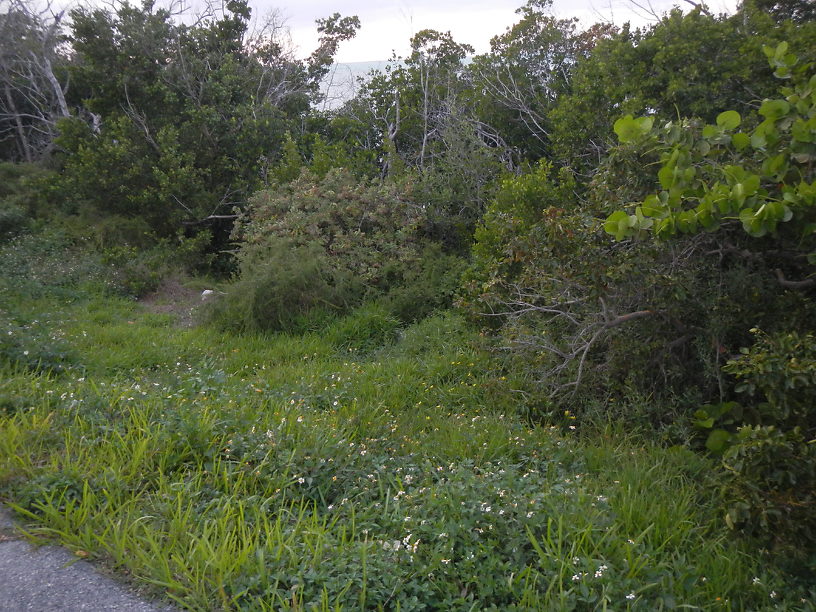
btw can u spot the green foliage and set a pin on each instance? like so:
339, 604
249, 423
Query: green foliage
23, 196
365, 330
357, 227
29, 346
629, 129
291, 161
429, 285
13, 220
277, 472
763, 177
780, 370
768, 442
50, 262
711, 179
293, 288
523, 219
529, 67
666, 70
799, 11
542, 273
603, 329
139, 271
187, 119
324, 244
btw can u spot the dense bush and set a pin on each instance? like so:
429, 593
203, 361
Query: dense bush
328, 244
592, 322
293, 288
22, 196
745, 187
359, 227
429, 285
583, 320
367, 329
768, 440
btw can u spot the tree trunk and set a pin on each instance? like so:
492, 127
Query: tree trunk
22, 139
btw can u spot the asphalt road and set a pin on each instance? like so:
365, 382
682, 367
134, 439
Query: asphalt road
50, 579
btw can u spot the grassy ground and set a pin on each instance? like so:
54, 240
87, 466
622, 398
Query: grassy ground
346, 469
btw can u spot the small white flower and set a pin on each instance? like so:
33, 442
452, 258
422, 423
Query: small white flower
773, 594
756, 580
630, 596
576, 577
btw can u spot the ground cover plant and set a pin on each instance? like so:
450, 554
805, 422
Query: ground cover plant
531, 329
307, 472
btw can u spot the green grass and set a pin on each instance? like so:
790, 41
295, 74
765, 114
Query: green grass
315, 472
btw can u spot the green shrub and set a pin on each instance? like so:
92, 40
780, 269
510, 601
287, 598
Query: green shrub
25, 187
317, 247
360, 228
293, 289
139, 270
48, 261
428, 286
13, 220
768, 445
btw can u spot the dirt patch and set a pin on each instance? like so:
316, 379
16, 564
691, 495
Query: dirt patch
174, 299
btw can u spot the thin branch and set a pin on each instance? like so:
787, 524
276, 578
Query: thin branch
789, 284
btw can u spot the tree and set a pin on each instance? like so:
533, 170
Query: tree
748, 185
32, 79
527, 69
665, 71
799, 11
192, 115
719, 175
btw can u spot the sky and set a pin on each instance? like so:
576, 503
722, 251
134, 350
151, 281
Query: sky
387, 25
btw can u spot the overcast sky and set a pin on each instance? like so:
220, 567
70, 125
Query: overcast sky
387, 25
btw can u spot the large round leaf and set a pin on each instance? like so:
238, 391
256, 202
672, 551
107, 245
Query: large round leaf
729, 120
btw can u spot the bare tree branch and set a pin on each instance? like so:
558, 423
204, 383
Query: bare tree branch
789, 284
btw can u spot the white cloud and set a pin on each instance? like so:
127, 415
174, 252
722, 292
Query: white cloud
388, 25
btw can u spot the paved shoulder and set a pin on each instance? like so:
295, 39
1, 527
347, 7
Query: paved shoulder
48, 579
